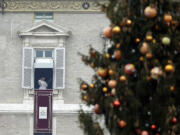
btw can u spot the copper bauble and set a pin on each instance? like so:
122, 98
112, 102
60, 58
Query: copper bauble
122, 78
128, 22
122, 123
102, 72
129, 69
116, 30
111, 72
137, 40
144, 132
150, 12
167, 18
116, 103
112, 83
108, 32
169, 68
84, 86
117, 54
149, 55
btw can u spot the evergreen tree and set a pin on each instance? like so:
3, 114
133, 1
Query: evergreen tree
136, 86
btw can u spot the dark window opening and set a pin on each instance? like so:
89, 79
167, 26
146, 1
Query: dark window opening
47, 73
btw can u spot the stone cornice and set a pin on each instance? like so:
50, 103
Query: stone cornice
52, 5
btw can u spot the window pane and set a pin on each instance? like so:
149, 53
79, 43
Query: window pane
39, 53
43, 16
48, 53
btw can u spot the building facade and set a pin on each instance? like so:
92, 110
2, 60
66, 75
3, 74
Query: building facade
42, 38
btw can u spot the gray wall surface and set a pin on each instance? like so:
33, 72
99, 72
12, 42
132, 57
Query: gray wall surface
85, 28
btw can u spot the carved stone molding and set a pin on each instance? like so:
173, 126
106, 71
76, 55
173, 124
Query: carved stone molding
52, 5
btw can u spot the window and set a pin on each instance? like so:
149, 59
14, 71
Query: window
38, 16
44, 53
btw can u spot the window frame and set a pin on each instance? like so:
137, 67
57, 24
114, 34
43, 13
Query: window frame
43, 16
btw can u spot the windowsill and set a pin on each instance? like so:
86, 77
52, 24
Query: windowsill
55, 92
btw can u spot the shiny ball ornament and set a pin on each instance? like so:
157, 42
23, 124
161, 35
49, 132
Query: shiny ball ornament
112, 83
128, 22
108, 32
116, 30
141, 58
156, 72
166, 40
107, 55
174, 120
91, 85
144, 132
92, 65
117, 54
105, 89
137, 40
150, 12
113, 92
84, 87
111, 72
116, 103
169, 68
123, 79
144, 48
102, 72
122, 123
149, 55
149, 38
96, 109
153, 127
167, 18
171, 88
129, 69
118, 45
85, 98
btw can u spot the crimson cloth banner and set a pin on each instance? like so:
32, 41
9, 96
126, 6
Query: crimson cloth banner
43, 112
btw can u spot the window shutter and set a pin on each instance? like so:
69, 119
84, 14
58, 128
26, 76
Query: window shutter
27, 67
59, 68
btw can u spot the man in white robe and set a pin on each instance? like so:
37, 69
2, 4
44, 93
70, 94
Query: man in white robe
42, 83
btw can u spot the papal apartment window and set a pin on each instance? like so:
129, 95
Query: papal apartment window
38, 16
48, 64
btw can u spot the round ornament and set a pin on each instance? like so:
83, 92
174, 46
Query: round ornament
156, 72
174, 120
144, 48
117, 54
149, 38
111, 72
141, 58
105, 89
108, 32
84, 87
85, 98
153, 127
167, 18
102, 72
129, 69
128, 22
112, 83
149, 55
113, 92
150, 12
96, 109
137, 40
91, 85
107, 55
123, 79
118, 45
122, 123
116, 103
144, 132
171, 88
169, 68
116, 30
92, 65
166, 40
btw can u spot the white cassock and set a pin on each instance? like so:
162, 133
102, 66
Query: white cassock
42, 85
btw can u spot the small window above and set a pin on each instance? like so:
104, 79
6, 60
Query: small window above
40, 53
38, 16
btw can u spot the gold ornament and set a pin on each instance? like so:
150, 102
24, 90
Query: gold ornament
107, 55
112, 83
92, 65
149, 55
137, 40
141, 59
118, 45
111, 72
169, 68
116, 30
84, 87
128, 22
91, 85
171, 88
117, 54
113, 91
102, 72
149, 38
105, 89
122, 79
85, 98
156, 72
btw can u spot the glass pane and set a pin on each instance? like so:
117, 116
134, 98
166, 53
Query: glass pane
43, 15
39, 53
48, 53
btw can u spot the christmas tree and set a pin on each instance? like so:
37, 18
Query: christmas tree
136, 85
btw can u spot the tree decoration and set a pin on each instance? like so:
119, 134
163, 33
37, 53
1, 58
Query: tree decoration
97, 109
150, 12
118, 45
129, 69
116, 30
149, 55
111, 72
84, 86
102, 72
169, 68
122, 123
112, 83
107, 55
171, 88
156, 72
144, 132
108, 32
105, 89
113, 92
117, 54
123, 79
91, 85
137, 40
128, 22
116, 103
174, 120
167, 18
144, 48
166, 40
153, 127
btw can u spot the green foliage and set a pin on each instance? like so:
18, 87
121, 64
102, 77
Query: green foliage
150, 95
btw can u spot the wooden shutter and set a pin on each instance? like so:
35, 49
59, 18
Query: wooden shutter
27, 67
59, 69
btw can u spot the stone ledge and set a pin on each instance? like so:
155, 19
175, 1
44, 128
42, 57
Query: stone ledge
58, 109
